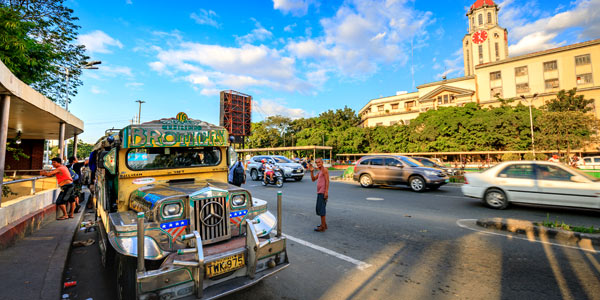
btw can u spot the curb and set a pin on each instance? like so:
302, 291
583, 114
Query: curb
26, 225
52, 287
527, 228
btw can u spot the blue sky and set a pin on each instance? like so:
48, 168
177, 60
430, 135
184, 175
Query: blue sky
295, 57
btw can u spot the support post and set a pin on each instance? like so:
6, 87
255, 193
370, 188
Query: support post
4, 114
141, 268
75, 146
61, 141
279, 214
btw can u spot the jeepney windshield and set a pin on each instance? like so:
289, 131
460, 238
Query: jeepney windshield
171, 158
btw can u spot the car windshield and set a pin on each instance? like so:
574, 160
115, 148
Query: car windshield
411, 162
428, 163
171, 158
281, 159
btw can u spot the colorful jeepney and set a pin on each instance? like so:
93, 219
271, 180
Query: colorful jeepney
161, 191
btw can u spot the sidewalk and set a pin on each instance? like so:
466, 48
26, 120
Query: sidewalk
33, 267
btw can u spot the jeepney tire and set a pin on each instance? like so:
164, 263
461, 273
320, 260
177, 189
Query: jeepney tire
126, 277
254, 174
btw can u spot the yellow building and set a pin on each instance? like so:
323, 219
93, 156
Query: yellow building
490, 72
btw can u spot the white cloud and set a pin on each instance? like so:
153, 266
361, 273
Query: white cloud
134, 85
295, 7
289, 28
529, 36
271, 108
129, 2
96, 90
364, 34
257, 34
98, 42
453, 66
206, 17
114, 71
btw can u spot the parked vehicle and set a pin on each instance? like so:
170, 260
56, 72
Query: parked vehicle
277, 178
590, 162
168, 220
434, 163
536, 182
392, 169
289, 168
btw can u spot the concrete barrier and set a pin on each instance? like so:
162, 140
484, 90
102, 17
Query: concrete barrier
20, 218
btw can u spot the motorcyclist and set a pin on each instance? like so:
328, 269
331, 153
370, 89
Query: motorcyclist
268, 167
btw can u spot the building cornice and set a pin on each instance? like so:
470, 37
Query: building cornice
396, 98
539, 53
446, 81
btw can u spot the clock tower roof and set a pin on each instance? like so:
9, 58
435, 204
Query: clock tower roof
481, 3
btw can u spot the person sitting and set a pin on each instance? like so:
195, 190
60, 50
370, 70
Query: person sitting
268, 167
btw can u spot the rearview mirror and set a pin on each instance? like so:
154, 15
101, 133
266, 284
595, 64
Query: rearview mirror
400, 165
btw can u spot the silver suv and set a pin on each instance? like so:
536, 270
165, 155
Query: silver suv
394, 169
290, 169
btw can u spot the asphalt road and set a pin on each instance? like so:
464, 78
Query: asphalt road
392, 243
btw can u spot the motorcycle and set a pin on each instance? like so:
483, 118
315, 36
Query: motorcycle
277, 178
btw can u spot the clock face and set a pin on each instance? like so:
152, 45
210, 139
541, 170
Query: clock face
479, 36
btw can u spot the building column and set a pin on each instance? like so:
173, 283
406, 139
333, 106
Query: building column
75, 146
4, 114
61, 141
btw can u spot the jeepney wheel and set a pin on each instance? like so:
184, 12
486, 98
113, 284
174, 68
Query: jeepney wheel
279, 182
126, 277
254, 175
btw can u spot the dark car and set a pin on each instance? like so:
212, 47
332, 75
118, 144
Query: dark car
395, 169
428, 162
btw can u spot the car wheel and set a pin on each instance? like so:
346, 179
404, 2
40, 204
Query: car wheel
417, 183
366, 181
495, 198
298, 178
254, 175
126, 277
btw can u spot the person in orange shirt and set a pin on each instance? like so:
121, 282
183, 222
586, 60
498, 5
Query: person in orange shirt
64, 180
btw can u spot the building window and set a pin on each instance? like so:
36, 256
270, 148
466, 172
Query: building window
439, 98
480, 19
495, 75
522, 88
380, 108
446, 99
584, 79
480, 53
521, 71
496, 92
452, 98
550, 66
409, 104
582, 60
395, 106
497, 48
489, 18
551, 83
468, 63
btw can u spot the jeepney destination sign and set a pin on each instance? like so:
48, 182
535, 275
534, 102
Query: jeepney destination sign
175, 132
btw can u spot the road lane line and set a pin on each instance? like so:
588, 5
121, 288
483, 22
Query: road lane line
459, 223
374, 199
361, 265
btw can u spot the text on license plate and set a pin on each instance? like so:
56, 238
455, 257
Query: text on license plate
225, 265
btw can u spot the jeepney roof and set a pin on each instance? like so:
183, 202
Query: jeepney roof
180, 131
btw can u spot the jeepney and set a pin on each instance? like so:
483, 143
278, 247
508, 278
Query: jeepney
170, 224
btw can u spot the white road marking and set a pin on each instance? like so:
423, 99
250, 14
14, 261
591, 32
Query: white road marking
374, 199
361, 265
459, 223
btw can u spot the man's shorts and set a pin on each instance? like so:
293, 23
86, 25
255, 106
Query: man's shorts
269, 173
66, 194
321, 203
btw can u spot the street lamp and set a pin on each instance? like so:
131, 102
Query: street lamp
530, 102
140, 110
89, 65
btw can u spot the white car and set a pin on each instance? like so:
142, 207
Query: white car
536, 182
590, 162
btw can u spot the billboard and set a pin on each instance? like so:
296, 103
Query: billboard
236, 112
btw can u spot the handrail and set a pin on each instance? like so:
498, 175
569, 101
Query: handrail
33, 180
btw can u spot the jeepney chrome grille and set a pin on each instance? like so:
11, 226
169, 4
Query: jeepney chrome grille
210, 217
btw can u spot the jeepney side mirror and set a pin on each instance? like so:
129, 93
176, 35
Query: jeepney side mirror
231, 154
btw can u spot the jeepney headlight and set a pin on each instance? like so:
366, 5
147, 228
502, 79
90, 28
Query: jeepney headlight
171, 209
238, 200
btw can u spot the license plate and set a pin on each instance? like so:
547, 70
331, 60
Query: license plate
225, 265
447, 180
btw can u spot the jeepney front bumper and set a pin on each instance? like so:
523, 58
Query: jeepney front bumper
184, 274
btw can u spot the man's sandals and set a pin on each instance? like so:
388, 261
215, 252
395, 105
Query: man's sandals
321, 228
62, 218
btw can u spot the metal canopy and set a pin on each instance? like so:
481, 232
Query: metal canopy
36, 116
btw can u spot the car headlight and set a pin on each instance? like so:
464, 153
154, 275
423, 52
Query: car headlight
431, 173
238, 200
171, 209
287, 169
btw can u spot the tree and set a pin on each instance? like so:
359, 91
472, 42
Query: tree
50, 32
569, 101
566, 130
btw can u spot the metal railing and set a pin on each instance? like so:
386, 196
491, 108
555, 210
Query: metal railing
33, 180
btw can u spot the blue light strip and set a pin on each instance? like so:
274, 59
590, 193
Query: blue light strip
175, 224
240, 213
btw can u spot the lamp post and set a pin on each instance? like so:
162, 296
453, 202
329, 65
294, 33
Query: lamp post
140, 110
530, 102
90, 66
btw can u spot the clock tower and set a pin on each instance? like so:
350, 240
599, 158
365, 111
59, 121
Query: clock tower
486, 40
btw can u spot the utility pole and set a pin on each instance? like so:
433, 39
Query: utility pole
140, 110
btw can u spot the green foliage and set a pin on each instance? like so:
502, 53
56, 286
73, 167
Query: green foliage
538, 156
565, 130
569, 101
561, 225
34, 37
510, 156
